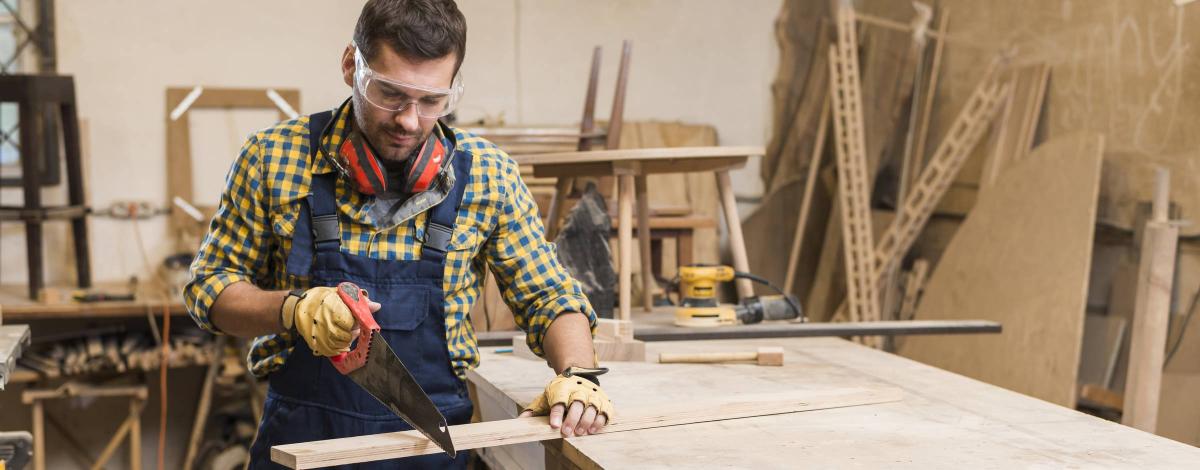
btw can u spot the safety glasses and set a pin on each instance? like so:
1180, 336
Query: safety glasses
397, 96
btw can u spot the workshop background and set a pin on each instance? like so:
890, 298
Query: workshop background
1044, 220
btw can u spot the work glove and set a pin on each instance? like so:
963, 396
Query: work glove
577, 395
321, 318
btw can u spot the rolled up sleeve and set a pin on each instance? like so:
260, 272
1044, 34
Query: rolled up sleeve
234, 248
536, 287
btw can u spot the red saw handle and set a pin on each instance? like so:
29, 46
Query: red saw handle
356, 298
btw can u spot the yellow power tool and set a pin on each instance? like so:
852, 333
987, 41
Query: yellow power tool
699, 306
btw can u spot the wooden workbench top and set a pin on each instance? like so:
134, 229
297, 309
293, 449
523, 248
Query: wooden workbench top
945, 420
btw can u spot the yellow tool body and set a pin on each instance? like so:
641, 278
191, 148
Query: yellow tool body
699, 306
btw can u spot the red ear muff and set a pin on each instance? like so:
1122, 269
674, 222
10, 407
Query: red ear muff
366, 172
425, 165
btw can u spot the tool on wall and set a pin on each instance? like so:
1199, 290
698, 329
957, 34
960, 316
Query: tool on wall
699, 306
374, 367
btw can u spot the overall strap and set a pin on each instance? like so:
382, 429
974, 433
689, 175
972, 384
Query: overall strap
317, 226
440, 224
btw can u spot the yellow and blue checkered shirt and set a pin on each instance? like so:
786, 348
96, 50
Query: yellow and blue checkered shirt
498, 227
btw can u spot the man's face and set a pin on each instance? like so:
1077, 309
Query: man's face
395, 135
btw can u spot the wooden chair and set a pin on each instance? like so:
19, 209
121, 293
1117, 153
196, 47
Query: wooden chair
35, 95
522, 141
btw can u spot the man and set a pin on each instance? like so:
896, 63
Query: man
379, 192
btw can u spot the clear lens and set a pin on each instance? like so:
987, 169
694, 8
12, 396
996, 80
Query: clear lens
395, 96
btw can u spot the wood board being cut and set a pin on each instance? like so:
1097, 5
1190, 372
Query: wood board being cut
1022, 258
515, 431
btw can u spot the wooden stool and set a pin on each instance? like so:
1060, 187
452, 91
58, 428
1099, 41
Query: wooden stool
36, 95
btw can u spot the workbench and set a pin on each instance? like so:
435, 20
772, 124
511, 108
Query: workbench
944, 420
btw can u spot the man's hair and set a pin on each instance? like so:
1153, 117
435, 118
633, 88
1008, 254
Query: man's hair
415, 29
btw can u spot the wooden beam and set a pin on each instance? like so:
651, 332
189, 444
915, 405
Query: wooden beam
814, 164
1156, 275
515, 431
930, 92
853, 181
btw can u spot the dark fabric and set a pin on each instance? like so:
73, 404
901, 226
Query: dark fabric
310, 400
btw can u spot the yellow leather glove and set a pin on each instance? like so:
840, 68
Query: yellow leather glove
571, 387
321, 318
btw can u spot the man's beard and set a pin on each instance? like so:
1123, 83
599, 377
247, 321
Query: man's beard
389, 154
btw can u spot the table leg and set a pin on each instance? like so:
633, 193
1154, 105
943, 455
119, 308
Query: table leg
39, 436
625, 244
135, 434
562, 189
737, 243
643, 212
683, 248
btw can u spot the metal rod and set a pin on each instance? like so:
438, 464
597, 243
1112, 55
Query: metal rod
787, 330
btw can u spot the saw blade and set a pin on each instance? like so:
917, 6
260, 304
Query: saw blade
387, 379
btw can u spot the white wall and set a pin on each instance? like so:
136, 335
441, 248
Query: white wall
700, 61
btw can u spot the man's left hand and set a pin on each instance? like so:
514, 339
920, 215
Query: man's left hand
589, 408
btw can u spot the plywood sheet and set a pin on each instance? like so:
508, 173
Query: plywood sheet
1022, 258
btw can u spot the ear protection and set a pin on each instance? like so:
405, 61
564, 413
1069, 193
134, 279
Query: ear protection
369, 176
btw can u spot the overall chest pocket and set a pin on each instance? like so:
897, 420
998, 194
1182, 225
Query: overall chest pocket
405, 307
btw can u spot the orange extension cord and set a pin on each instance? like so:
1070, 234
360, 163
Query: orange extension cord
165, 343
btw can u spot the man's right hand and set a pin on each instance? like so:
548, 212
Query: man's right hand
322, 319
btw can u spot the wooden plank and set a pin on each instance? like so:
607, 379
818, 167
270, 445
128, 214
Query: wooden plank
854, 189
1022, 258
515, 431
1013, 136
1100, 396
913, 287
1148, 337
930, 92
810, 183
1102, 338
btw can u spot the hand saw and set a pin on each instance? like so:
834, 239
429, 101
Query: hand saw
374, 367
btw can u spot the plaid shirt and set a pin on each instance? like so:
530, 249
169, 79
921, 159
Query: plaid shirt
497, 227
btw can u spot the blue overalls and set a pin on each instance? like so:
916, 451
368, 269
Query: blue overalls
310, 400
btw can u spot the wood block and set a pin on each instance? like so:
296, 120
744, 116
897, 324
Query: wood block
620, 350
609, 328
770, 356
521, 349
607, 349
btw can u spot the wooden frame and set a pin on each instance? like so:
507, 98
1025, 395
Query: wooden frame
179, 151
